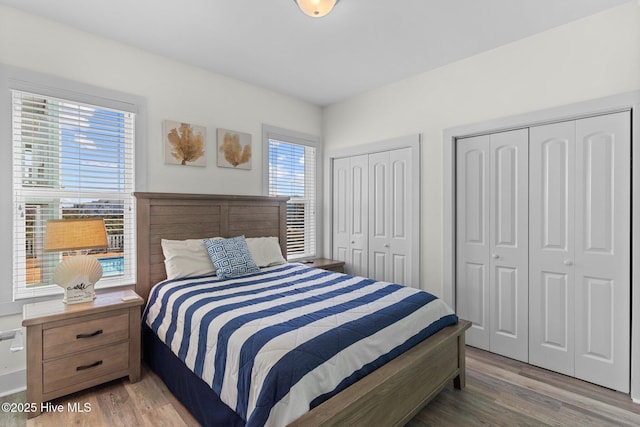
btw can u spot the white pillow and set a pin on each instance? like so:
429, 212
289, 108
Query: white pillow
186, 258
265, 251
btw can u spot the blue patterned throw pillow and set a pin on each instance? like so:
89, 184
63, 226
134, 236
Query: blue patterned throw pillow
231, 257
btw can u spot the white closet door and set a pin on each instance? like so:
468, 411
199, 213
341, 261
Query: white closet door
580, 249
359, 215
400, 230
509, 261
602, 250
551, 250
341, 210
390, 236
350, 214
379, 212
472, 238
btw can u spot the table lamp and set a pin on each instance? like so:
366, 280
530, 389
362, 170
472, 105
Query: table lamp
76, 274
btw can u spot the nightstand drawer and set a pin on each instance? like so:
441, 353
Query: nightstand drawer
85, 335
66, 372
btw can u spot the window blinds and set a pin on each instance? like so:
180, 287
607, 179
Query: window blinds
70, 160
292, 172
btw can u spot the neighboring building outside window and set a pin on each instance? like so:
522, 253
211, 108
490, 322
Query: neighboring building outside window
70, 160
291, 170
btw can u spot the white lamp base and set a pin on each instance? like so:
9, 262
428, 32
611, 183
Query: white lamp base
77, 275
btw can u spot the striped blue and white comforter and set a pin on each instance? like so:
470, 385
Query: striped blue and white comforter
277, 343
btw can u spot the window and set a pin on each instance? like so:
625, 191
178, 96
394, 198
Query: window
70, 160
291, 171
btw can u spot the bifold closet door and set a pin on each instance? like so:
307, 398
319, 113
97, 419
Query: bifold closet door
579, 288
551, 252
492, 246
603, 250
509, 229
390, 233
472, 238
350, 213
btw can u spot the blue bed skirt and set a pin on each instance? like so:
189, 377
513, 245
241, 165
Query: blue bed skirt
203, 403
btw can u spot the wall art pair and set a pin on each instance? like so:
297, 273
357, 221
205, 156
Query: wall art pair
185, 144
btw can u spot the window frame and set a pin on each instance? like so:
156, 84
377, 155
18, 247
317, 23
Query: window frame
13, 78
299, 138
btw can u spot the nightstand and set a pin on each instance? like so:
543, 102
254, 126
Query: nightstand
71, 347
327, 264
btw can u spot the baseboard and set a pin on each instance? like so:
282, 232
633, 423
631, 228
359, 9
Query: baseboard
13, 382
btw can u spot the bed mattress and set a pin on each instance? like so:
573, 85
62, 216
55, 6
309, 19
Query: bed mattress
275, 344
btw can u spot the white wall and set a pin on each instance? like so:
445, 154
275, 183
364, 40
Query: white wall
11, 362
172, 91
590, 58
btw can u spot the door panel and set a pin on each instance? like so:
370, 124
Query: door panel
557, 182
341, 209
551, 248
350, 216
473, 215
400, 235
599, 330
471, 306
506, 300
389, 195
379, 216
509, 247
400, 266
472, 243
506, 196
359, 217
603, 247
378, 262
555, 294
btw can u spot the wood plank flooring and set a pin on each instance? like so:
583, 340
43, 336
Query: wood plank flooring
499, 392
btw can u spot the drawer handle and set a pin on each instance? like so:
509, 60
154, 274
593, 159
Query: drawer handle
80, 336
93, 365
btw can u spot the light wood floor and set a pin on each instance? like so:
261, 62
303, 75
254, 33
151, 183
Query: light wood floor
499, 391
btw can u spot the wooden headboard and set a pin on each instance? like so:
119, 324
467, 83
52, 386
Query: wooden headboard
179, 216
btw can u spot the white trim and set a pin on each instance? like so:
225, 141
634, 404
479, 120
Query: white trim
30, 81
611, 104
27, 80
410, 141
13, 382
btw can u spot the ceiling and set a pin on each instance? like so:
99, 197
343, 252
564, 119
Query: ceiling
361, 45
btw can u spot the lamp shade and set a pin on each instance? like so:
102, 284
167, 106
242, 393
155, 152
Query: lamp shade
316, 8
75, 234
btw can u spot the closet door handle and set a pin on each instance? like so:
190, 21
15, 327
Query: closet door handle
386, 245
495, 256
568, 262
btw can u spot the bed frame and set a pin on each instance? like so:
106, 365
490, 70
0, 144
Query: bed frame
391, 395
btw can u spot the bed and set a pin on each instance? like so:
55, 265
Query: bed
390, 395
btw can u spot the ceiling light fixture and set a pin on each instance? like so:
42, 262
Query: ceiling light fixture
316, 8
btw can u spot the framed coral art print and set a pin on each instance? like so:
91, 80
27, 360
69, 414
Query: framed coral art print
184, 143
234, 149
